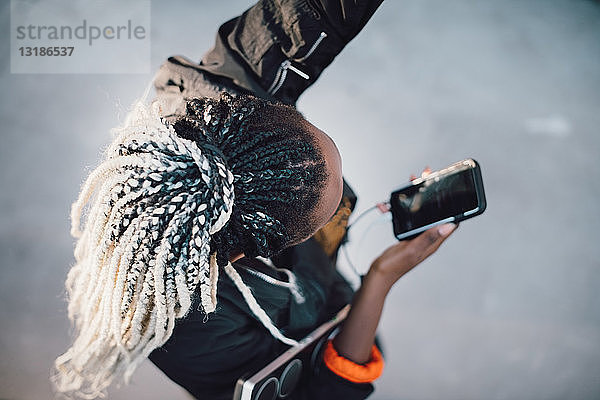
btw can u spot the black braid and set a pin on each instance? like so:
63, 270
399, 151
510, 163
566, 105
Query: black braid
278, 171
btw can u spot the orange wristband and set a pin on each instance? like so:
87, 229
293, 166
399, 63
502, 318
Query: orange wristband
349, 370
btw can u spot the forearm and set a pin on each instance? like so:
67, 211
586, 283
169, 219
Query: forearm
357, 335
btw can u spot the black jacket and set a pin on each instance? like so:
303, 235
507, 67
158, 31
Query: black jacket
275, 50
207, 354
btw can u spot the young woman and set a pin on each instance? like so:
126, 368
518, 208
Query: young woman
198, 192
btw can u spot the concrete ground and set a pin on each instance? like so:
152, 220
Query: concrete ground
507, 309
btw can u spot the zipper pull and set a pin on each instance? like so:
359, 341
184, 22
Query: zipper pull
296, 70
312, 49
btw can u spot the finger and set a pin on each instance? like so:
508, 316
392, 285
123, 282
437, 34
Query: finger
426, 172
429, 241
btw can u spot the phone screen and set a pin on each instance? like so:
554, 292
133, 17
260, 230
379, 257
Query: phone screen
435, 199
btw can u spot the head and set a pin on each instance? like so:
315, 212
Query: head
287, 175
169, 206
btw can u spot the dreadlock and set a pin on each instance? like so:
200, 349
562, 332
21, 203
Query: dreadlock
172, 203
278, 172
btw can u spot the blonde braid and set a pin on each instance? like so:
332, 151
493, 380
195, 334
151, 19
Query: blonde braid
143, 250
160, 222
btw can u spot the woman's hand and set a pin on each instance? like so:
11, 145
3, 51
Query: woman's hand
357, 335
400, 258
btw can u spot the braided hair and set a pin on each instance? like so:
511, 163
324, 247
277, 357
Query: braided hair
276, 167
173, 202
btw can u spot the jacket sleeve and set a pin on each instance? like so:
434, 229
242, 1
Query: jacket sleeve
277, 49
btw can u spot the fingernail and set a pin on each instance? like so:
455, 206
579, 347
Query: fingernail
446, 229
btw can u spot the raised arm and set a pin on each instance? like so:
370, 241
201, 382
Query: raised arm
275, 49
356, 338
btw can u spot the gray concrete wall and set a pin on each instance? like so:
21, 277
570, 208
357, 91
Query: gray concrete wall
507, 309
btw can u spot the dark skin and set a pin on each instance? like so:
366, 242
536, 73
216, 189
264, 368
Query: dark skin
357, 335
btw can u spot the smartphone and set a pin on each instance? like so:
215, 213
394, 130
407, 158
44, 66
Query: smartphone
452, 194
